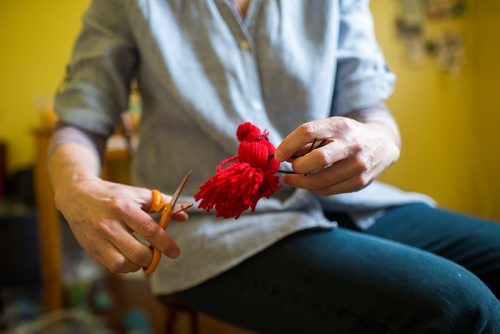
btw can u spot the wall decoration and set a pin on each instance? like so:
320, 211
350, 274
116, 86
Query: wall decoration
428, 28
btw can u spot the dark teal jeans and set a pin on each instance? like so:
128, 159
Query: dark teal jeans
417, 270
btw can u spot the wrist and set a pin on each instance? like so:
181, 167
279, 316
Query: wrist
386, 131
378, 117
390, 140
71, 168
72, 182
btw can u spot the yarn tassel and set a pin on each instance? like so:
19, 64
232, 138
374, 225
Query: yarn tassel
249, 177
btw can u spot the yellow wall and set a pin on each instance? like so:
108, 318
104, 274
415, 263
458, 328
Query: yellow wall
438, 114
487, 122
36, 39
449, 123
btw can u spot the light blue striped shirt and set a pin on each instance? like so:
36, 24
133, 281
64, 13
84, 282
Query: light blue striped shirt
202, 69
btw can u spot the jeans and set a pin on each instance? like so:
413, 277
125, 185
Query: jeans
417, 270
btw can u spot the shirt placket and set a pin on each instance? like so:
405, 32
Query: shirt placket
255, 107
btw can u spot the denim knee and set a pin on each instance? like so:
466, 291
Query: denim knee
459, 303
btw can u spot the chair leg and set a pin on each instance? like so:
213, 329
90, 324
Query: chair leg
170, 321
174, 308
194, 321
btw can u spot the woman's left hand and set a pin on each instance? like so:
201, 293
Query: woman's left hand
354, 155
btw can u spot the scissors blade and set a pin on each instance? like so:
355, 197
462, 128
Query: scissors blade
178, 191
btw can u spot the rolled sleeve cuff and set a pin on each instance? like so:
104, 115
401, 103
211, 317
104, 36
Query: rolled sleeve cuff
363, 94
81, 108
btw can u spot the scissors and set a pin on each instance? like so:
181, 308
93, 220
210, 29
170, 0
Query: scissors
167, 211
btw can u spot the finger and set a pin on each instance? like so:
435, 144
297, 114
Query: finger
122, 239
307, 133
308, 148
322, 157
142, 223
333, 174
109, 256
350, 185
318, 180
141, 196
298, 139
144, 197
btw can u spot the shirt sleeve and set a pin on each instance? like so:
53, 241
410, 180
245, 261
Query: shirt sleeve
64, 134
95, 90
363, 78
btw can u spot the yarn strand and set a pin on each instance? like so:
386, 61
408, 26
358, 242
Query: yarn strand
250, 176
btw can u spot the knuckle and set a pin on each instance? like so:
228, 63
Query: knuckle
361, 164
102, 227
139, 256
322, 157
356, 147
119, 205
308, 130
358, 183
361, 181
118, 265
116, 204
147, 229
341, 124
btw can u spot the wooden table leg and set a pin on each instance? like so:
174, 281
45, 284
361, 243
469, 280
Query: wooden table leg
48, 228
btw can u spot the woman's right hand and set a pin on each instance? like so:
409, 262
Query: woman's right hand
103, 215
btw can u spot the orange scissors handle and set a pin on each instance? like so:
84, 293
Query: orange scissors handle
156, 201
157, 205
166, 209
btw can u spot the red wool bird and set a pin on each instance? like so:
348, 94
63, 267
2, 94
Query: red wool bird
251, 176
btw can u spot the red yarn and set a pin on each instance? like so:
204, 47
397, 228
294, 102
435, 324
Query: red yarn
251, 176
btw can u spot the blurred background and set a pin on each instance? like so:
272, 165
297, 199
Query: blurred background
445, 54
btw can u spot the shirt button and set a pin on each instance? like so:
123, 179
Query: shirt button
257, 106
244, 45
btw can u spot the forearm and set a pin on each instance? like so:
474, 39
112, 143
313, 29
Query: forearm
378, 116
74, 156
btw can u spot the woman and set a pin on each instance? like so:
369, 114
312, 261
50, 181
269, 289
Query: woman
332, 251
